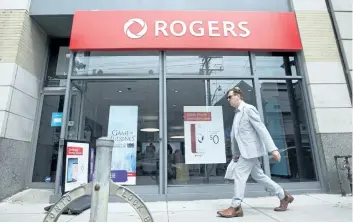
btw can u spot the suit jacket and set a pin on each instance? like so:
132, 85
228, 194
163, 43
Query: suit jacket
252, 138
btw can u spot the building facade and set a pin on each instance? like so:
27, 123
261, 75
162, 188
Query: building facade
303, 91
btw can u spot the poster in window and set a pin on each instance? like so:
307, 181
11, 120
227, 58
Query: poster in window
204, 135
122, 128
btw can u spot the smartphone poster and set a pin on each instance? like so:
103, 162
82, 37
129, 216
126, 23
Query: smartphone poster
77, 162
204, 135
72, 170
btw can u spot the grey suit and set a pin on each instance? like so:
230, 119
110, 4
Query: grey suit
250, 136
249, 141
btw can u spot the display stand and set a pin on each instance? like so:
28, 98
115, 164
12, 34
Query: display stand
87, 152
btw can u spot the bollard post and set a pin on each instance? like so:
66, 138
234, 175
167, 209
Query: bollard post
101, 180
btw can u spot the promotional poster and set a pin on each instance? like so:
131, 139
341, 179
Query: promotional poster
56, 119
204, 135
122, 128
76, 173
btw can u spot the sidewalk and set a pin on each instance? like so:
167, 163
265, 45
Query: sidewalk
310, 207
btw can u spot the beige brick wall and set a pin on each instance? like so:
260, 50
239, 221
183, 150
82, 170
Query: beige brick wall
32, 51
317, 36
11, 24
22, 41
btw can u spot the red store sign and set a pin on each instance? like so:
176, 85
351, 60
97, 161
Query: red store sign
184, 30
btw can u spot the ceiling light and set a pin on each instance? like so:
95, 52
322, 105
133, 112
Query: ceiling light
120, 91
174, 105
149, 118
176, 91
177, 127
177, 137
149, 130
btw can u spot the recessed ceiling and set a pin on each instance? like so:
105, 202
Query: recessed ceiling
58, 26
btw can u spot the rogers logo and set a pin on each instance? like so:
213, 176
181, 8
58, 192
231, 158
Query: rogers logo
200, 28
139, 34
180, 28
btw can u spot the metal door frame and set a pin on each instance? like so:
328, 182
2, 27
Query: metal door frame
29, 181
255, 82
48, 91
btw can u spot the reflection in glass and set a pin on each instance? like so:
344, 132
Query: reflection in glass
98, 96
284, 116
113, 63
209, 64
62, 66
182, 93
58, 66
273, 66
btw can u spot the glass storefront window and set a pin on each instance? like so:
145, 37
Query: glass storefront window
93, 122
116, 63
213, 74
208, 64
272, 65
284, 116
182, 93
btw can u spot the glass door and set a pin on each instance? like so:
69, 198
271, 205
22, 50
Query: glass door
47, 144
48, 139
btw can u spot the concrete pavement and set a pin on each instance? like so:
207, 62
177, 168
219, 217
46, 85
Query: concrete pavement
308, 207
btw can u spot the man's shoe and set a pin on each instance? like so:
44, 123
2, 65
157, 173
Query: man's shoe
231, 212
284, 202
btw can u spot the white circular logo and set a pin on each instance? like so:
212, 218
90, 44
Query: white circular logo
139, 34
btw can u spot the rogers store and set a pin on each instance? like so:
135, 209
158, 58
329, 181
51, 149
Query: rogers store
161, 62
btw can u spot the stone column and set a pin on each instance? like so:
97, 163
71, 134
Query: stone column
328, 92
23, 53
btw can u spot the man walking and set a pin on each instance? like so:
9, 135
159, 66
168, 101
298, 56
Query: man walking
248, 138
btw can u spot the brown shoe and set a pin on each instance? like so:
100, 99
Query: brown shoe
284, 202
231, 212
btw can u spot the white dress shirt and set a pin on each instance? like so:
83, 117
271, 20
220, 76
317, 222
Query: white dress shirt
237, 118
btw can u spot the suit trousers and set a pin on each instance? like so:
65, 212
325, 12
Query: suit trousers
245, 167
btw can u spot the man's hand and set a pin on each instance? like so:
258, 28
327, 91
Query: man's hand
276, 155
235, 158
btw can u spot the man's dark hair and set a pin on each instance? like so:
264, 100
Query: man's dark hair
236, 91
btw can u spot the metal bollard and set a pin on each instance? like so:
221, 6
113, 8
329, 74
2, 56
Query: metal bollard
101, 180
